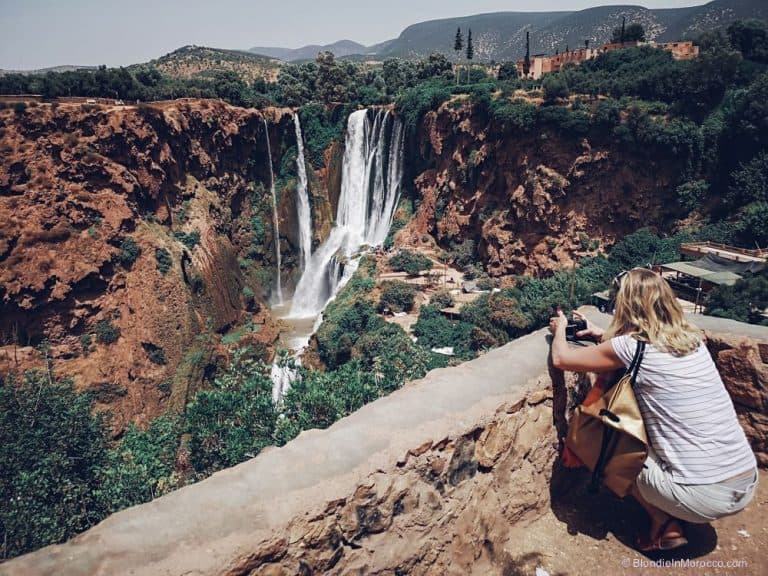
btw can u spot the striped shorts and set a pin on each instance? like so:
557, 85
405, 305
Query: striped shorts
695, 503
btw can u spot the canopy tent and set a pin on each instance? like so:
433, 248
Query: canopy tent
723, 277
715, 263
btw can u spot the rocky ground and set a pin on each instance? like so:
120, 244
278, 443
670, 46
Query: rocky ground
585, 534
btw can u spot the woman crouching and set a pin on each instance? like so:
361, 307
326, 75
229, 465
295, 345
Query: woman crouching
700, 466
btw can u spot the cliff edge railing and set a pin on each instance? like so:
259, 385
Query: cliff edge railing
428, 480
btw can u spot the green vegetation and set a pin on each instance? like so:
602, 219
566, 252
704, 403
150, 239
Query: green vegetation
141, 466
744, 301
129, 251
416, 101
402, 217
555, 87
60, 475
631, 33
441, 299
85, 343
164, 260
106, 332
397, 296
156, 355
320, 129
52, 450
189, 239
410, 262
233, 420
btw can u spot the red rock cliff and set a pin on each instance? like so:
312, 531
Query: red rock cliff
76, 181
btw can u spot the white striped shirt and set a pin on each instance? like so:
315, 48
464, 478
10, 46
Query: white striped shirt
689, 416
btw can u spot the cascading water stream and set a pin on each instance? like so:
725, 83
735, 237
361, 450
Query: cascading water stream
302, 200
283, 373
372, 173
370, 188
275, 219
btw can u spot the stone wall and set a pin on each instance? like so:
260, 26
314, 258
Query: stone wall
429, 480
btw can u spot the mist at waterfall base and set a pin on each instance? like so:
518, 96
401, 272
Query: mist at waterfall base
372, 173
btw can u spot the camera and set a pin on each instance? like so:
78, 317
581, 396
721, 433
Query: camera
574, 325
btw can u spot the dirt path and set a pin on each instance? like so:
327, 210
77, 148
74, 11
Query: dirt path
583, 534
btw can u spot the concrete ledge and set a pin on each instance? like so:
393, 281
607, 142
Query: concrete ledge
203, 527
419, 481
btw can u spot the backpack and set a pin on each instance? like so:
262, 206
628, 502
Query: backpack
609, 436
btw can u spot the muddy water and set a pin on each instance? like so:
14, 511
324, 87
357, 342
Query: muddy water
294, 332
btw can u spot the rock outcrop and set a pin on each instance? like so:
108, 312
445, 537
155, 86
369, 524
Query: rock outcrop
440, 477
531, 202
133, 237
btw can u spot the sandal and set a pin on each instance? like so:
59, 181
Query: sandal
663, 540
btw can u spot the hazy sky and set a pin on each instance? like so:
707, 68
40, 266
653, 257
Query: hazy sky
42, 33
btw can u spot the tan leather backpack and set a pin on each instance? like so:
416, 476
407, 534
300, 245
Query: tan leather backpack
609, 435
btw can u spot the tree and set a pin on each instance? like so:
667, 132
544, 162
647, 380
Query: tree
233, 420
554, 87
508, 71
458, 44
52, 452
470, 52
632, 33
744, 301
750, 37
435, 66
410, 262
527, 59
334, 81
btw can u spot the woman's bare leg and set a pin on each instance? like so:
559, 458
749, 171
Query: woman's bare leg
658, 517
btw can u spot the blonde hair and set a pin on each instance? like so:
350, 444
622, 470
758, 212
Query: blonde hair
647, 309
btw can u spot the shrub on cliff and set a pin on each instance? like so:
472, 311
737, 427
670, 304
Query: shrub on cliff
189, 239
129, 251
397, 296
513, 115
320, 129
52, 451
414, 102
410, 262
233, 420
141, 467
164, 260
106, 332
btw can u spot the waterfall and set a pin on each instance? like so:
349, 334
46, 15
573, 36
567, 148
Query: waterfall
372, 174
302, 200
275, 219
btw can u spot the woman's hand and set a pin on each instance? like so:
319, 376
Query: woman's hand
595, 332
558, 322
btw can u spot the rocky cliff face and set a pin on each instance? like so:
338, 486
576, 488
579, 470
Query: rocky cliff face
133, 238
531, 202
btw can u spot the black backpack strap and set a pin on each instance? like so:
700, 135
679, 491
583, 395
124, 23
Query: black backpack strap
597, 473
634, 367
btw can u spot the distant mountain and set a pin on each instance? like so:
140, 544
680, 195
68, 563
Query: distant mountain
63, 68
501, 36
340, 48
200, 62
